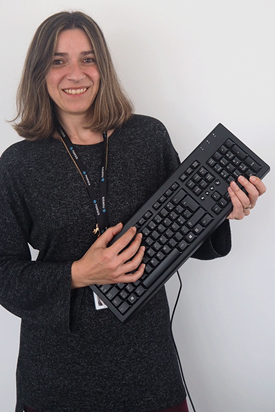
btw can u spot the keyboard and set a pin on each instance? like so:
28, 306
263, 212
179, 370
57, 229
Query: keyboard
181, 214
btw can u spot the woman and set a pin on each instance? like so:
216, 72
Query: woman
73, 357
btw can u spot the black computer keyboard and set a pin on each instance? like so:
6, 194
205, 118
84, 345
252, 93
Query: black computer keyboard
181, 214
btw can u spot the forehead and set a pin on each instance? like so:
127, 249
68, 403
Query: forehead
72, 40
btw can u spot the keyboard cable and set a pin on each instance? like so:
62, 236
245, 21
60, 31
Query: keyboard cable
177, 353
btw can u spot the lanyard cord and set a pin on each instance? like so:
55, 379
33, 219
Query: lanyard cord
99, 208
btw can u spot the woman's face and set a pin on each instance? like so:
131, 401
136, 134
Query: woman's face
73, 79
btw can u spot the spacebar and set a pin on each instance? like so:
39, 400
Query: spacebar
161, 268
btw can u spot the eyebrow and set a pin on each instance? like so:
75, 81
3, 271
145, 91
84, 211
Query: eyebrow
84, 53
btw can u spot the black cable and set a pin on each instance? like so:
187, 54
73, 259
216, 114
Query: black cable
176, 349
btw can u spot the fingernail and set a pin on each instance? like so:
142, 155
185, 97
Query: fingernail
233, 184
253, 179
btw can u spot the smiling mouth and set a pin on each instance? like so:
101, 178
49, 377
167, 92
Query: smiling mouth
75, 91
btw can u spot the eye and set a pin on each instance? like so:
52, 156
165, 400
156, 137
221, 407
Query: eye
89, 60
57, 62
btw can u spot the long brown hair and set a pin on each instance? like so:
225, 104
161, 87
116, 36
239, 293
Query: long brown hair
35, 108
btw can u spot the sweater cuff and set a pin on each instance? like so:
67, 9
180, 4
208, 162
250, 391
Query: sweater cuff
216, 245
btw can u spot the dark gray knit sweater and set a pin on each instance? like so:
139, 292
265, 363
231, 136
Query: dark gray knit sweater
73, 358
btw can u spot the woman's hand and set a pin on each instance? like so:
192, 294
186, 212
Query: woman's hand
106, 265
242, 203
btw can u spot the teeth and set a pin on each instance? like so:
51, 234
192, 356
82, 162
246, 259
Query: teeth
75, 91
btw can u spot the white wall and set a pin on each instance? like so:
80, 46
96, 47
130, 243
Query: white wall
191, 64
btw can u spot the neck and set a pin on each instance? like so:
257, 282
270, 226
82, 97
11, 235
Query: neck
75, 129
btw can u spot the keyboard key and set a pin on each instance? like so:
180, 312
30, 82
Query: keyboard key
217, 156
251, 163
169, 233
157, 246
130, 287
223, 202
170, 206
229, 143
124, 307
184, 230
195, 218
163, 239
140, 290
217, 209
155, 235
161, 228
190, 237
166, 249
165, 264
178, 237
157, 219
238, 151
160, 256
164, 212
123, 294
146, 232
167, 222
154, 262
203, 171
175, 227
152, 225
211, 162
183, 177
209, 177
112, 293
117, 301
156, 205
190, 203
206, 220
181, 221
182, 245
174, 186
236, 161
216, 196
104, 288
162, 199
132, 298
198, 229
150, 252
173, 215
179, 196
191, 184
195, 164
222, 149
243, 167
149, 241
203, 184
172, 242
197, 190
196, 178
229, 155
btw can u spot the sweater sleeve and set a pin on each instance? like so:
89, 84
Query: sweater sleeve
33, 290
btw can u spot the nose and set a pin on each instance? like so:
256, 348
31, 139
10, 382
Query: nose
75, 72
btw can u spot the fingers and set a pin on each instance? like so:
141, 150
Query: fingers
243, 203
258, 184
103, 264
108, 235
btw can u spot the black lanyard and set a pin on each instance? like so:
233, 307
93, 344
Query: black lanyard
100, 208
